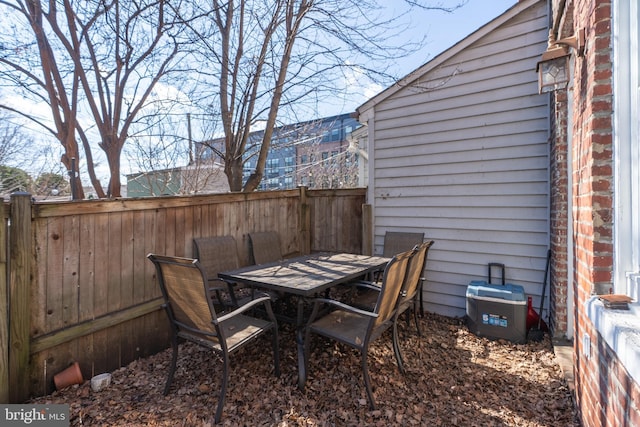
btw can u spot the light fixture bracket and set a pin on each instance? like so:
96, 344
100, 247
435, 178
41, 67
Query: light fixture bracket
575, 41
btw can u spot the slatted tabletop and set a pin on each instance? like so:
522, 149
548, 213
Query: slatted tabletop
306, 275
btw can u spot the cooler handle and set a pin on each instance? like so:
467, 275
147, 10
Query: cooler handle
496, 265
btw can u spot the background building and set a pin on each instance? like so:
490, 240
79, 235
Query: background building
314, 154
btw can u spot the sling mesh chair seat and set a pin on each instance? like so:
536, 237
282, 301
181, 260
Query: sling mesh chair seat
400, 241
216, 254
414, 281
396, 242
359, 328
265, 246
189, 302
367, 292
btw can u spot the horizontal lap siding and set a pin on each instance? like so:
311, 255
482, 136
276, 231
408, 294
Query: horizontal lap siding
462, 155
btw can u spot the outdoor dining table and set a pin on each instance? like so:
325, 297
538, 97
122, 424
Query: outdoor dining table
305, 277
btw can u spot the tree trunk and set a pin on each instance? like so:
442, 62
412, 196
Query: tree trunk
113, 158
70, 160
233, 169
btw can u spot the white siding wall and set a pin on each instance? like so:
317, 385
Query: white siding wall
462, 154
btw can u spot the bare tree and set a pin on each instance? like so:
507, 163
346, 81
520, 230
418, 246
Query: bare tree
170, 162
322, 168
95, 64
14, 142
263, 57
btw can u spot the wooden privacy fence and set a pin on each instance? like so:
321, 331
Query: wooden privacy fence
76, 285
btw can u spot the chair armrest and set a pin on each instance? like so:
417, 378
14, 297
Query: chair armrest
266, 300
218, 284
367, 285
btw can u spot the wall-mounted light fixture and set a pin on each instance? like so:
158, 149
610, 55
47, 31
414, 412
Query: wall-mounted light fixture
553, 67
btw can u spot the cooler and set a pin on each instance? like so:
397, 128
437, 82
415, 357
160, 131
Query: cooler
497, 311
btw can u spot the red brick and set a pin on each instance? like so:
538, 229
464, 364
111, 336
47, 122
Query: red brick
602, 11
600, 123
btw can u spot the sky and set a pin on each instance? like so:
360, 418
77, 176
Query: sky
442, 30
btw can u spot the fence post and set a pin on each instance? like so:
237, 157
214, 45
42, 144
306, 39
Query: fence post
19, 296
4, 309
367, 229
305, 222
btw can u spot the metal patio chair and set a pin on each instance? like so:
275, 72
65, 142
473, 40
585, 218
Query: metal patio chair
216, 254
396, 242
265, 246
400, 241
366, 293
414, 280
189, 302
359, 328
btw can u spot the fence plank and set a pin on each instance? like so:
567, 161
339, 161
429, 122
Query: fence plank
87, 273
70, 267
54, 269
139, 260
127, 340
39, 271
101, 267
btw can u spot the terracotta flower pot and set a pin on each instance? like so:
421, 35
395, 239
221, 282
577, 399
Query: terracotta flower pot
71, 375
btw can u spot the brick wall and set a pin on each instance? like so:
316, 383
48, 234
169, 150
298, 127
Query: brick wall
559, 226
605, 393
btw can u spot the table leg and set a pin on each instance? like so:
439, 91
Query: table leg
302, 374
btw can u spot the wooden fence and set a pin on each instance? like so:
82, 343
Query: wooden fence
78, 286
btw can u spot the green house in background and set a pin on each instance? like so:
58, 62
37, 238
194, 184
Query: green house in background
192, 179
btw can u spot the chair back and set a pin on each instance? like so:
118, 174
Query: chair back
414, 271
216, 254
392, 280
186, 294
397, 241
265, 247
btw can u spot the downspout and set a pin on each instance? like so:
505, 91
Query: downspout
557, 16
371, 185
570, 296
367, 118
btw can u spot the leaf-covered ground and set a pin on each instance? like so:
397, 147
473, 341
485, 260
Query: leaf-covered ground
453, 378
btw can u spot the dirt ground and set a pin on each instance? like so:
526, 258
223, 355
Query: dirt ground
453, 378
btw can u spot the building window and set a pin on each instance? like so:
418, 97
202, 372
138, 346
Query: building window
289, 164
619, 328
273, 166
627, 149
